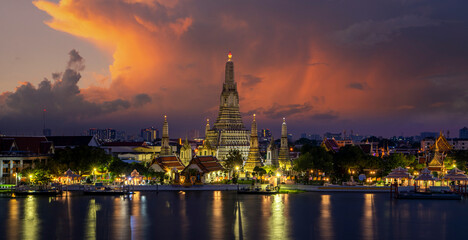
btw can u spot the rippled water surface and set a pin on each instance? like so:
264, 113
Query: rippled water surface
226, 215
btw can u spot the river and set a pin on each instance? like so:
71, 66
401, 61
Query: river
227, 215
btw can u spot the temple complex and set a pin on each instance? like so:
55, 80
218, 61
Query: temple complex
283, 158
228, 132
254, 159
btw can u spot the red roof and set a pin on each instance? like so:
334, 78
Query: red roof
168, 163
35, 145
207, 163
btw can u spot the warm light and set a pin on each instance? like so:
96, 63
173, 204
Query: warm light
229, 55
30, 176
237, 167
278, 175
290, 149
94, 169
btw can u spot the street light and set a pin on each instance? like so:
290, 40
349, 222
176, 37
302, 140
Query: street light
94, 173
16, 179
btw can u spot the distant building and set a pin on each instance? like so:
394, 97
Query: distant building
463, 133
149, 134
61, 142
265, 133
47, 132
106, 135
329, 135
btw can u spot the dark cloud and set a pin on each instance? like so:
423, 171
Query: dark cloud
279, 111
141, 99
357, 85
249, 80
372, 32
64, 103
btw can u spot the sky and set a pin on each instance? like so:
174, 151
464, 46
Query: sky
377, 67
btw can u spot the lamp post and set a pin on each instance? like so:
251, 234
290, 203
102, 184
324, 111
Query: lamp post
94, 173
16, 178
30, 178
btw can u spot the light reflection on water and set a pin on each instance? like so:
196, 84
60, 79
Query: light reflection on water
325, 222
278, 223
368, 217
227, 215
31, 221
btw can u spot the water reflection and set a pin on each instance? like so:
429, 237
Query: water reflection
120, 223
368, 217
278, 224
13, 219
217, 223
91, 219
30, 221
238, 220
326, 222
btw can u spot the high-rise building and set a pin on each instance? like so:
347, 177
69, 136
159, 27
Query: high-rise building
107, 134
463, 133
149, 134
228, 132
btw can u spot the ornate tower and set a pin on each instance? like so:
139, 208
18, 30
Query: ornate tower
186, 153
165, 148
283, 158
272, 153
254, 159
228, 132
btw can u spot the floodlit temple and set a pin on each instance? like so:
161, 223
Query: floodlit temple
228, 132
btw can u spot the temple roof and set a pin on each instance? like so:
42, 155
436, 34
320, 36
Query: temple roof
168, 163
441, 144
206, 163
330, 145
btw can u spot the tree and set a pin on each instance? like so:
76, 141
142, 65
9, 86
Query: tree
233, 160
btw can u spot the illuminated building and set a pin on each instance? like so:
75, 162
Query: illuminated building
283, 158
186, 153
272, 153
18, 153
254, 159
149, 134
228, 132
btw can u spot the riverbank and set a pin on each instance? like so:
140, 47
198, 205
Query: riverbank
235, 187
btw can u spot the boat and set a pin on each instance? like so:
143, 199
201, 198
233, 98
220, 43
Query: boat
429, 195
100, 189
38, 190
257, 190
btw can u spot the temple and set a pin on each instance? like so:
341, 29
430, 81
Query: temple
165, 148
254, 159
228, 132
440, 148
283, 158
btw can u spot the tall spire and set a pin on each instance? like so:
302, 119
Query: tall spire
283, 158
229, 78
165, 148
207, 127
253, 159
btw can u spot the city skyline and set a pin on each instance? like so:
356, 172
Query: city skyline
379, 70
